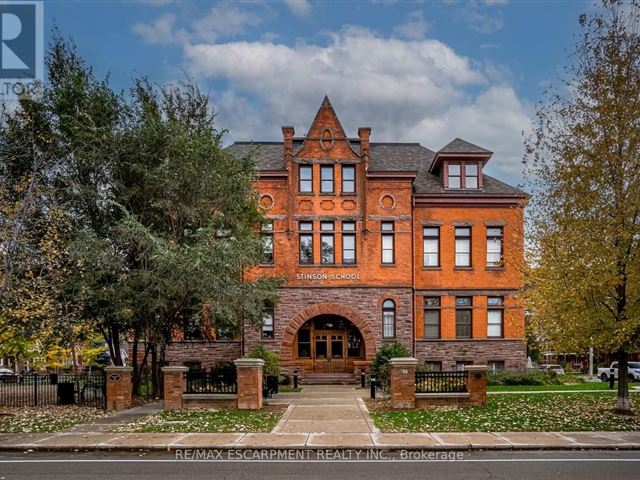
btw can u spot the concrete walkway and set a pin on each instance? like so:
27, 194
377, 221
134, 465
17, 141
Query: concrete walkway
117, 419
325, 409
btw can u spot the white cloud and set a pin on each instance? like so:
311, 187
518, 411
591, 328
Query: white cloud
491, 3
417, 90
301, 8
159, 32
224, 20
478, 21
415, 27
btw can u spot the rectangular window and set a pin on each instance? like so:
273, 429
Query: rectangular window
454, 174
460, 365
306, 178
304, 343
431, 246
495, 316
494, 246
191, 329
463, 317
471, 175
326, 178
267, 322
349, 242
306, 243
463, 247
431, 317
388, 241
495, 365
348, 179
327, 243
267, 243
433, 366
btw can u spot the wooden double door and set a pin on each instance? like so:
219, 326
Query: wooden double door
330, 351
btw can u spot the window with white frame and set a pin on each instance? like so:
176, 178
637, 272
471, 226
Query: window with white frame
463, 246
494, 247
495, 316
389, 319
431, 246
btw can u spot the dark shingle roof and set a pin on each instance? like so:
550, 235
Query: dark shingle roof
462, 146
385, 157
270, 155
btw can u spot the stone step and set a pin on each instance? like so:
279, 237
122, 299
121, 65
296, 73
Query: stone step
328, 379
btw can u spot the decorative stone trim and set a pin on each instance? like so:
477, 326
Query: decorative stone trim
249, 362
403, 361
208, 396
174, 368
443, 395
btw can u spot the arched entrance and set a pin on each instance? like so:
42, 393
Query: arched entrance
328, 344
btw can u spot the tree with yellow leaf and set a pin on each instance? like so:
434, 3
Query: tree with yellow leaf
584, 173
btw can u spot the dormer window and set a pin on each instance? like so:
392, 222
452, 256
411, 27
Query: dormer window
463, 175
455, 175
471, 175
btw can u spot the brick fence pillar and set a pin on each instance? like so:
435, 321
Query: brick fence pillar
403, 382
118, 387
174, 386
477, 383
249, 383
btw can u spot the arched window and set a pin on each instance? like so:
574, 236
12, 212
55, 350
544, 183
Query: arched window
389, 319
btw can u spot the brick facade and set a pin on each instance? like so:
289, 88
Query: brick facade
397, 190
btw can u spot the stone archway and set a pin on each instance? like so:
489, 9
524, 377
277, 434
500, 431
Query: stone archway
289, 334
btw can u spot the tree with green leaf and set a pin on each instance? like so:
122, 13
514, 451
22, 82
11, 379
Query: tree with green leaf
583, 162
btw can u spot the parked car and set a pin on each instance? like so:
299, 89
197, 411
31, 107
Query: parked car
8, 376
557, 369
633, 371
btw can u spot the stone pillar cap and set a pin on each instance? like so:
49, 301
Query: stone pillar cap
118, 368
175, 368
403, 361
476, 368
249, 362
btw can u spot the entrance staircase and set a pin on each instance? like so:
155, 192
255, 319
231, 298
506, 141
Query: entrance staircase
329, 379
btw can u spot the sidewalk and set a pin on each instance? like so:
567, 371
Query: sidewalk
70, 441
322, 417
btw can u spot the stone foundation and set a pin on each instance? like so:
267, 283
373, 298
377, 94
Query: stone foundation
209, 354
215, 401
366, 303
512, 352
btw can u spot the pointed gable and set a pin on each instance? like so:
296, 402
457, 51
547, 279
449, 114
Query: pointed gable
326, 138
459, 145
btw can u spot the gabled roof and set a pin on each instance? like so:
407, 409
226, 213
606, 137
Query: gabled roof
384, 157
458, 145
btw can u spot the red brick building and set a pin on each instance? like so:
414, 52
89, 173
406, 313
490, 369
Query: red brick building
382, 242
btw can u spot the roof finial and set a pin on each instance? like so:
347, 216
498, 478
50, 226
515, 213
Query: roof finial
326, 102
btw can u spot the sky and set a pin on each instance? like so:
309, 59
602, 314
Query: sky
426, 71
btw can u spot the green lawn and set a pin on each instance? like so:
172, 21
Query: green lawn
502, 413
205, 421
570, 386
45, 419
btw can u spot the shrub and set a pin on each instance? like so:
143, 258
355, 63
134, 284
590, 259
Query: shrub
380, 368
532, 378
271, 360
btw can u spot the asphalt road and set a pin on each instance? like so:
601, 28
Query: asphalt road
582, 465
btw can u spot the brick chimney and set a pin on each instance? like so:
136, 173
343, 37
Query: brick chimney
288, 133
364, 133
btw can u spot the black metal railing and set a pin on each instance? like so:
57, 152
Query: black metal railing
441, 382
201, 381
34, 390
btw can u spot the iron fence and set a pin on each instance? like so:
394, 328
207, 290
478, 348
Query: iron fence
201, 381
53, 389
441, 382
